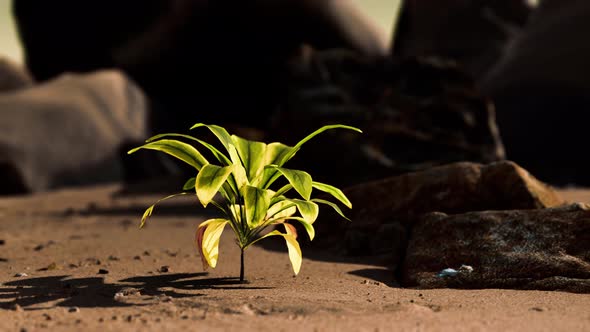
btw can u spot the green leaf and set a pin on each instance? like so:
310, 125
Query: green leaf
335, 192
308, 210
334, 206
252, 154
300, 180
275, 152
209, 180
296, 148
148, 212
224, 137
190, 184
257, 202
177, 149
207, 238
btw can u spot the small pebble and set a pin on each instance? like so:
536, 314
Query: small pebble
50, 267
137, 258
2, 242
447, 273
539, 309
74, 309
47, 317
146, 253
103, 271
164, 269
20, 275
113, 258
16, 307
119, 297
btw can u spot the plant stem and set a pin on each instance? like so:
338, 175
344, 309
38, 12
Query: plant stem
241, 264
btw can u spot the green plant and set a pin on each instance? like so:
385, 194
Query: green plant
243, 179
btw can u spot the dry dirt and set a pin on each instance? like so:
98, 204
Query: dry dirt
79, 248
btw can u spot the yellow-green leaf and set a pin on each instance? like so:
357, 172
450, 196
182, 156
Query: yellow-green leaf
208, 235
295, 255
209, 180
300, 180
281, 210
252, 155
296, 148
257, 202
189, 184
308, 227
224, 137
177, 149
292, 245
335, 192
148, 212
308, 210
334, 206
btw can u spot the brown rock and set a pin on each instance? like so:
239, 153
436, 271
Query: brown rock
546, 249
383, 210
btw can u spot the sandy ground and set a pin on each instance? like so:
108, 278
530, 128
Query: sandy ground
62, 241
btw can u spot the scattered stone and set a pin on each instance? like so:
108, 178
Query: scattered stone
171, 253
103, 271
447, 273
539, 309
20, 275
72, 266
50, 267
127, 291
545, 249
73, 309
93, 260
46, 316
16, 307
137, 258
39, 247
129, 318
2, 242
113, 258
164, 269
119, 297
146, 253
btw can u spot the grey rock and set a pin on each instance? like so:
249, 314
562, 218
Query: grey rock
68, 131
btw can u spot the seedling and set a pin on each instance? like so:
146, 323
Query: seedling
243, 179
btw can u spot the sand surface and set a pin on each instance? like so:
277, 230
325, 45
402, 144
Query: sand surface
61, 241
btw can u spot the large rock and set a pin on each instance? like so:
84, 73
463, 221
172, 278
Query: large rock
472, 32
68, 131
13, 76
538, 84
415, 113
546, 249
235, 69
384, 211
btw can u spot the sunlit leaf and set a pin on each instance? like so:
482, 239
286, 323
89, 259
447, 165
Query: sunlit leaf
296, 148
189, 184
257, 202
308, 227
335, 192
252, 155
308, 210
281, 210
300, 180
177, 149
207, 238
295, 255
148, 212
209, 180
334, 206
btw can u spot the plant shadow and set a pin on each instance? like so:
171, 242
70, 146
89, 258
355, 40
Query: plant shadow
93, 292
